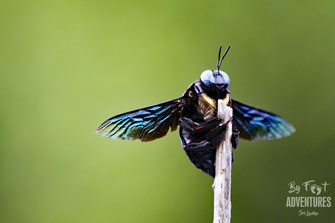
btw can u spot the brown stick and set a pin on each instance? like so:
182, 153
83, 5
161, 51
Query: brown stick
223, 164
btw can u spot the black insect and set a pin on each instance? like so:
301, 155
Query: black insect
196, 113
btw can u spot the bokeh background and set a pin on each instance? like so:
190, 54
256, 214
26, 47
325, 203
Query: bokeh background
66, 66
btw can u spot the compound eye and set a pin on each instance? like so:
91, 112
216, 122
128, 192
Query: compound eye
223, 79
207, 78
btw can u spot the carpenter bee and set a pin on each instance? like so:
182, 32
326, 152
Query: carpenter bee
196, 114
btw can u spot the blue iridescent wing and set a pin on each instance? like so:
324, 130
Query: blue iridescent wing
145, 124
254, 123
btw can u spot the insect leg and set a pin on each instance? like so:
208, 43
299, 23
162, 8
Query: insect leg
235, 136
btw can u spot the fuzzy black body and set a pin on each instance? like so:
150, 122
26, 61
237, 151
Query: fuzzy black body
200, 130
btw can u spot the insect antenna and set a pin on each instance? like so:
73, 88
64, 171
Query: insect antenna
220, 61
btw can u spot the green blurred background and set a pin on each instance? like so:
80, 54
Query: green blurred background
66, 66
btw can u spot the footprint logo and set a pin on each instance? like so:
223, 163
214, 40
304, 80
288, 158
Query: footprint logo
315, 189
